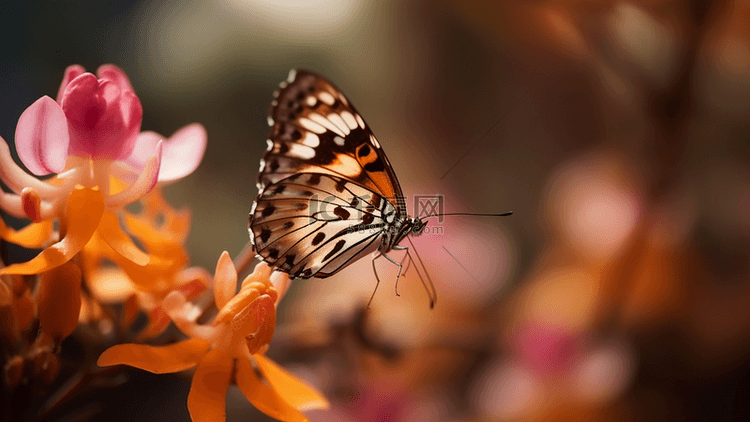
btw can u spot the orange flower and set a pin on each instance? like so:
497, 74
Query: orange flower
230, 348
85, 208
161, 231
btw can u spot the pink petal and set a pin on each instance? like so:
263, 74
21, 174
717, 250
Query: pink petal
118, 126
83, 108
42, 137
115, 74
71, 72
103, 119
183, 152
144, 148
145, 182
17, 179
11, 204
225, 280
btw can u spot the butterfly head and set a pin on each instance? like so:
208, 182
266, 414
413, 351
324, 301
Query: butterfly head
417, 226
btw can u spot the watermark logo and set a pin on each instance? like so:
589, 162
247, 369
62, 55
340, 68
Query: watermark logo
429, 206
332, 208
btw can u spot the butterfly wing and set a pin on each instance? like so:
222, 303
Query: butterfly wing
315, 129
314, 224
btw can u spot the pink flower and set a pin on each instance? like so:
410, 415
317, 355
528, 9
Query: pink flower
89, 136
104, 114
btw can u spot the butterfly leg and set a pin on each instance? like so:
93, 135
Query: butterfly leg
374, 270
399, 264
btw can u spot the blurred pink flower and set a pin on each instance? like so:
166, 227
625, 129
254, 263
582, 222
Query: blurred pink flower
550, 365
546, 349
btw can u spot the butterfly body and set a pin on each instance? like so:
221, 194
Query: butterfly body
327, 194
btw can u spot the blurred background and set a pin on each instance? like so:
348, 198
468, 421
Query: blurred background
616, 131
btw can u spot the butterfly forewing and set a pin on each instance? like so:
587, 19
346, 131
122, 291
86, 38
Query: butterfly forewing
327, 192
315, 129
314, 224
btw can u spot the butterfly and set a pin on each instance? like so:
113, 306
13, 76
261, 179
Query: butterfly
327, 194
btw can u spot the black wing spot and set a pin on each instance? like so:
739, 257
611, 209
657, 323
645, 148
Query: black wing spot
290, 259
364, 151
355, 202
296, 135
367, 218
274, 165
376, 200
283, 148
340, 185
375, 166
292, 116
341, 213
288, 225
335, 250
318, 238
273, 253
300, 95
268, 211
314, 179
279, 189
265, 234
307, 273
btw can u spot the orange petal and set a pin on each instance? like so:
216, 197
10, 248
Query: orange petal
157, 359
158, 321
295, 391
85, 209
59, 300
109, 284
263, 397
6, 294
34, 235
24, 309
257, 323
225, 280
32, 204
151, 236
235, 305
255, 284
130, 311
207, 400
110, 230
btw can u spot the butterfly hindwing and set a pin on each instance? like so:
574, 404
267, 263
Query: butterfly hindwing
313, 224
315, 129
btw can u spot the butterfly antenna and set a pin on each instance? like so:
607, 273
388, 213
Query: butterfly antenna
505, 214
431, 292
